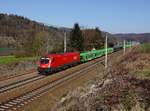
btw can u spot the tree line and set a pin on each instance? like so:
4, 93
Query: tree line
87, 39
78, 40
31, 38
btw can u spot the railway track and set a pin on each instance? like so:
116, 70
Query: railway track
7, 77
13, 103
23, 99
16, 84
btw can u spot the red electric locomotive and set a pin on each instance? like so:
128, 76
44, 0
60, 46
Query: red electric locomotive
54, 62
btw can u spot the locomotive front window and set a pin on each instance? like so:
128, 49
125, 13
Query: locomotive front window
44, 61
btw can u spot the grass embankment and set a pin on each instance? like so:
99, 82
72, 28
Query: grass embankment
125, 86
13, 59
145, 48
142, 65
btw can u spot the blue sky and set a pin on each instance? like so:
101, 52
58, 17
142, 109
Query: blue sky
115, 16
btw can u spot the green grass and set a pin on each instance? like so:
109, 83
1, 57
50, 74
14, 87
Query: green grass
144, 48
13, 59
144, 73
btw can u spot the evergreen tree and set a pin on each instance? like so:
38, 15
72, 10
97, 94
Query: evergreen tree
76, 38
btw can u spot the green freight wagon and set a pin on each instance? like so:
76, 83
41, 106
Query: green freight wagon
110, 50
128, 44
86, 56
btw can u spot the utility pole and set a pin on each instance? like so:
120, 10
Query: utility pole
106, 51
65, 42
124, 46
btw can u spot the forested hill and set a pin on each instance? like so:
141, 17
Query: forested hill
16, 30
26, 35
143, 37
14, 25
19, 32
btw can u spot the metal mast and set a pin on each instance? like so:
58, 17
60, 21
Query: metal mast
65, 42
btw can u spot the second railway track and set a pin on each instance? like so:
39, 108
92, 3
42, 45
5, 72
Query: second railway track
7, 87
12, 103
23, 99
8, 76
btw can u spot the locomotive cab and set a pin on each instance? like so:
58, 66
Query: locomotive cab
45, 65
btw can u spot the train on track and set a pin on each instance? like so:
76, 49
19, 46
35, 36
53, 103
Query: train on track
55, 62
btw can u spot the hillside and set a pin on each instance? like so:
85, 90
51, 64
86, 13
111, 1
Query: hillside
143, 37
16, 30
